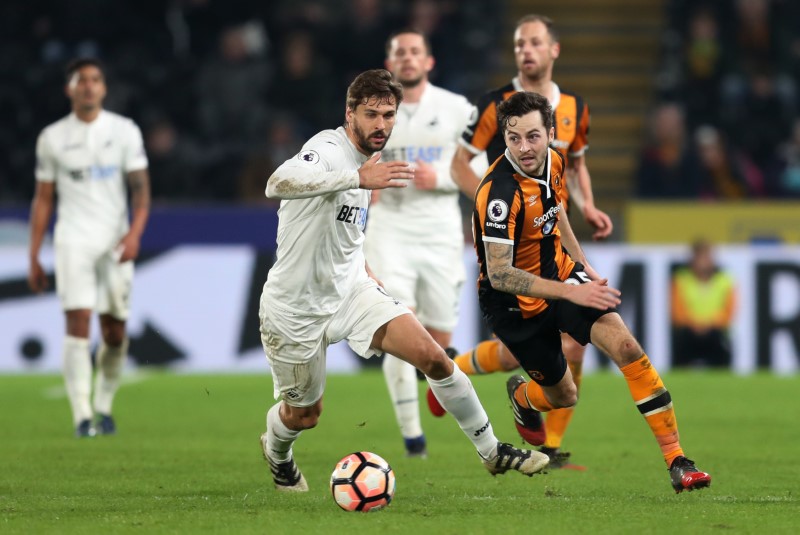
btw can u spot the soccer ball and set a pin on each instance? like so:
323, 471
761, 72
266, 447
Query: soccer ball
362, 481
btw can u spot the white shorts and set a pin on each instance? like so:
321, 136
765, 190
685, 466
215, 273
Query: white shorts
427, 278
88, 279
295, 345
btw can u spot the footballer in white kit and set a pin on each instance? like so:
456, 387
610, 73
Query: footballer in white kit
320, 289
89, 160
415, 239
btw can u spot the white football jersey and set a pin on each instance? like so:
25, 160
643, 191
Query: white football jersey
426, 131
88, 162
319, 258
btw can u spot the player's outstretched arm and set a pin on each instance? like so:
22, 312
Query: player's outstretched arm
41, 212
506, 278
299, 181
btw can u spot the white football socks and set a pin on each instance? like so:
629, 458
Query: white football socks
401, 379
458, 398
279, 437
110, 361
77, 369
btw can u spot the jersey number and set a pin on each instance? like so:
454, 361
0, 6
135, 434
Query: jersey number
581, 275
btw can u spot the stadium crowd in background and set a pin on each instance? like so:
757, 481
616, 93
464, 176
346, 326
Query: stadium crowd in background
221, 88
728, 89
213, 84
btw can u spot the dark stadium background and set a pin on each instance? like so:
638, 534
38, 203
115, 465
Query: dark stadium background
226, 91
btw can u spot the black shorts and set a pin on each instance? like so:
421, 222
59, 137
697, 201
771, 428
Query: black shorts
536, 342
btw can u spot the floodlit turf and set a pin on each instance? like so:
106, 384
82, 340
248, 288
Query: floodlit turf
186, 460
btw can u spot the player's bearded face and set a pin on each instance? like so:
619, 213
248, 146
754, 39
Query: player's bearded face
534, 50
408, 59
528, 140
372, 123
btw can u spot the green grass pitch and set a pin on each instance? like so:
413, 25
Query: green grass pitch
186, 460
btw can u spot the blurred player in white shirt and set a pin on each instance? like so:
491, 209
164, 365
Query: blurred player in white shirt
414, 240
86, 158
321, 291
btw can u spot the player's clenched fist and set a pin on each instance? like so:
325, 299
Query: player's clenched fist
379, 175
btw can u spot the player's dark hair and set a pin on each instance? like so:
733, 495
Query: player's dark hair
409, 29
77, 64
523, 103
375, 84
547, 21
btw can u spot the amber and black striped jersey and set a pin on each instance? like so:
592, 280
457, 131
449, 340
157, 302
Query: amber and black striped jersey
571, 124
522, 211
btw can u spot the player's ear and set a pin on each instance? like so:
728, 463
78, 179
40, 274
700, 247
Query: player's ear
551, 136
430, 63
555, 50
103, 90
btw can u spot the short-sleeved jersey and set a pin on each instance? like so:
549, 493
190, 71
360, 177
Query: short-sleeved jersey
87, 162
522, 211
319, 257
571, 124
426, 131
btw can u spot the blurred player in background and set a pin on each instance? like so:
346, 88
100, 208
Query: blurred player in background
535, 284
415, 239
321, 291
86, 158
536, 47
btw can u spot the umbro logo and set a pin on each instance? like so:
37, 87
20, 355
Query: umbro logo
532, 200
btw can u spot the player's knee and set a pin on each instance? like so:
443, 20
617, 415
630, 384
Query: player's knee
114, 337
309, 421
567, 397
573, 351
629, 351
435, 363
507, 360
299, 418
78, 323
303, 418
